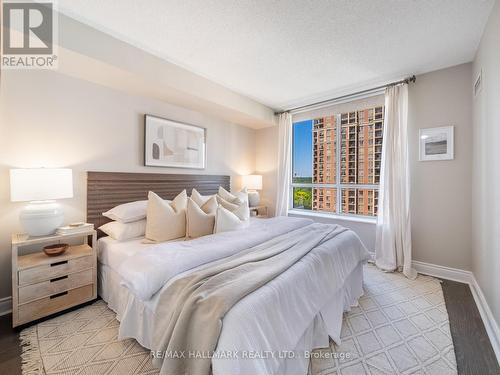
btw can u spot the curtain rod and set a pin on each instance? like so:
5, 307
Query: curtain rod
406, 80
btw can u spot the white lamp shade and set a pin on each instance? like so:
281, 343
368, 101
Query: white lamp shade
38, 184
252, 182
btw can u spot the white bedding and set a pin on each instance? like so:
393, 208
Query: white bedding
135, 318
146, 272
112, 253
278, 313
297, 310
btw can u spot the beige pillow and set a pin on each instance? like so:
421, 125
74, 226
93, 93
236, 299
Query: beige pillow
180, 201
199, 199
241, 210
236, 198
210, 206
166, 221
200, 220
228, 205
226, 221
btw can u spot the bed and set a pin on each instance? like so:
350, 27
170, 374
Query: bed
268, 331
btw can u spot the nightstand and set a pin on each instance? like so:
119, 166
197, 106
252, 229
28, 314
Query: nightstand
43, 285
259, 211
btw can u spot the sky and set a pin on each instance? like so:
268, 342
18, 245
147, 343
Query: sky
302, 148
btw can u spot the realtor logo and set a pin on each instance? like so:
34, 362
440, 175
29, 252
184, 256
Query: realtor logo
28, 35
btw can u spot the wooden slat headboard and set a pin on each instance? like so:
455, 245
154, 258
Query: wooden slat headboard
106, 190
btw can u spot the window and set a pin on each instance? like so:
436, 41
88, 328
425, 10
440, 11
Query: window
336, 162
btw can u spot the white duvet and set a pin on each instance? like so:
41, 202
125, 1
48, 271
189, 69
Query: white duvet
274, 318
148, 271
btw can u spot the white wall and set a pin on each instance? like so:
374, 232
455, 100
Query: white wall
49, 119
441, 208
486, 166
441, 190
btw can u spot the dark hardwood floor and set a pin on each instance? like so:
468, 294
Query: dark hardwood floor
10, 350
473, 350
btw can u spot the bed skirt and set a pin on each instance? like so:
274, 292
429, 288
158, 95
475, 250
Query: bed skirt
136, 316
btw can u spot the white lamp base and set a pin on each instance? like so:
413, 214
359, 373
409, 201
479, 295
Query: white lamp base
41, 218
253, 198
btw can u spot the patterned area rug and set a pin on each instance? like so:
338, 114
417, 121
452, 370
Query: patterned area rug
400, 327
84, 341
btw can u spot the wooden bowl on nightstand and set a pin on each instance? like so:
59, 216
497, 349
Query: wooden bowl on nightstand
54, 250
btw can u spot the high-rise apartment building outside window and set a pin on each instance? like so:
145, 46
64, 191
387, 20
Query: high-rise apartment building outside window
336, 162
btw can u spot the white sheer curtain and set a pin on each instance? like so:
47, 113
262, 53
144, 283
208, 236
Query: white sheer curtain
393, 240
284, 163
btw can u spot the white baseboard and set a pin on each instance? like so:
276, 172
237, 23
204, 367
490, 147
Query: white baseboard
467, 277
489, 321
448, 273
5, 306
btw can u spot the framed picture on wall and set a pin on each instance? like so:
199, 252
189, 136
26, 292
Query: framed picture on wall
436, 143
173, 144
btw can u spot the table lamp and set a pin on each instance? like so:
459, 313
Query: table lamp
40, 186
253, 182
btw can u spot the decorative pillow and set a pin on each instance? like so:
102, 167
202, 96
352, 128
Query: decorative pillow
166, 221
128, 212
210, 206
199, 199
237, 197
180, 201
241, 210
227, 204
226, 221
200, 220
124, 231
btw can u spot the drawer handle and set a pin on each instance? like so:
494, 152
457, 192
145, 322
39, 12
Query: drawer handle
58, 295
59, 263
58, 278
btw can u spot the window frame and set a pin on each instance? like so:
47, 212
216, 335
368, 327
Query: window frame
338, 186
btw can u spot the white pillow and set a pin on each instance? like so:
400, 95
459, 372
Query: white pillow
241, 210
124, 231
236, 197
226, 221
128, 212
199, 199
166, 221
200, 220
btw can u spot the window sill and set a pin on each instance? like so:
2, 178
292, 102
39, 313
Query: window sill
367, 220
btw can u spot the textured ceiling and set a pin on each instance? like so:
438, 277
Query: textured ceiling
285, 53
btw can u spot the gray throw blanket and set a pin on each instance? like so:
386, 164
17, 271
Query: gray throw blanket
189, 317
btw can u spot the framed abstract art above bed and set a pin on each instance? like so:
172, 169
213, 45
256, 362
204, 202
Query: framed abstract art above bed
169, 143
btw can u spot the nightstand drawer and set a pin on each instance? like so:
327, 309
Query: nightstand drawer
54, 303
56, 285
54, 270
